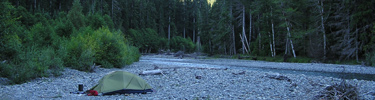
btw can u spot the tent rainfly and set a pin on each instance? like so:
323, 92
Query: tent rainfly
120, 82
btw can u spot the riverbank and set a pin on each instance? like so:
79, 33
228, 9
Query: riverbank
180, 81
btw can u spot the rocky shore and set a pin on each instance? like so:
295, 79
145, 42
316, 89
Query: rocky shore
184, 80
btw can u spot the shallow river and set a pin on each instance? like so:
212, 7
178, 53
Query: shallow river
260, 66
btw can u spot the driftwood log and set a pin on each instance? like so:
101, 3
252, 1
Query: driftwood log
151, 72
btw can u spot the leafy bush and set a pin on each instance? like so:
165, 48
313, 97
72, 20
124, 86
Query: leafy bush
40, 18
12, 47
180, 43
95, 21
40, 35
31, 63
147, 39
26, 18
52, 60
136, 38
102, 46
162, 43
114, 52
64, 27
81, 51
370, 59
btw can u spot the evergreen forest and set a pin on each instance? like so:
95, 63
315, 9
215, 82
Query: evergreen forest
38, 38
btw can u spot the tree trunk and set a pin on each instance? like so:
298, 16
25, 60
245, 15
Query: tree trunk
59, 5
271, 45
101, 6
274, 45
184, 32
198, 41
286, 45
112, 11
243, 30
243, 44
225, 49
199, 32
233, 41
50, 5
194, 30
250, 30
273, 36
169, 29
323, 30
291, 42
288, 37
233, 45
210, 45
93, 7
259, 36
356, 47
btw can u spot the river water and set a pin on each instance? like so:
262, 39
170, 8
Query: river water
230, 65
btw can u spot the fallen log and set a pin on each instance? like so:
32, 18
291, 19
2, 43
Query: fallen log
151, 72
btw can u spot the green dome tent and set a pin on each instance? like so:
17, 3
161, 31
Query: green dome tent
120, 82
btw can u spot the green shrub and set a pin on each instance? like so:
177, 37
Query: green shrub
11, 48
52, 60
64, 27
370, 59
114, 51
26, 17
147, 39
40, 35
102, 47
180, 43
95, 21
6, 70
162, 43
40, 18
81, 50
136, 38
32, 63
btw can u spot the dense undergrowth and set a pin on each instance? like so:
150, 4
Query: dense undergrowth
148, 41
41, 44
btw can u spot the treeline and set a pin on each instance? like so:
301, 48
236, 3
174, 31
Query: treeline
37, 43
320, 29
325, 30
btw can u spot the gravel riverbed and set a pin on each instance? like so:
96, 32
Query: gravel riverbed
217, 80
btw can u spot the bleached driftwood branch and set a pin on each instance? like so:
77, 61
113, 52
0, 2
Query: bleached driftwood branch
151, 72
